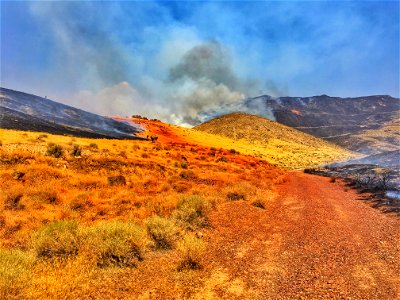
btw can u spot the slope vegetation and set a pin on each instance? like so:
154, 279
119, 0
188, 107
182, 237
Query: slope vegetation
275, 142
186, 222
24, 111
382, 139
342, 121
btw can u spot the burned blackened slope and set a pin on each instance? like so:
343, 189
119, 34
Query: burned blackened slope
29, 112
339, 120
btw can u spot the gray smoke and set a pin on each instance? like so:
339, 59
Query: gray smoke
173, 75
204, 80
207, 61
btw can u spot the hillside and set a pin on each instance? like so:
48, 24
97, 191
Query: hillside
374, 141
343, 121
184, 220
24, 111
274, 142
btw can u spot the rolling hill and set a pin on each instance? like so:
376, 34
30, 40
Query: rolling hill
275, 142
24, 111
343, 121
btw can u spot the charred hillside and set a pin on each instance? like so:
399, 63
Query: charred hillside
24, 111
343, 121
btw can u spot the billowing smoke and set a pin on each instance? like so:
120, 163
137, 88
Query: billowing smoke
171, 74
207, 61
203, 80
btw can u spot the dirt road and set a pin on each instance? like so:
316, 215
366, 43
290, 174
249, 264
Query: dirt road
315, 241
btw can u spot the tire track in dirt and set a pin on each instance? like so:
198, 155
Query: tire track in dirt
315, 241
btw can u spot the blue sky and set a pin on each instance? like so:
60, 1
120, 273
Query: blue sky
173, 59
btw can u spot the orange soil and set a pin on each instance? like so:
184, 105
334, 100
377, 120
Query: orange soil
315, 241
164, 131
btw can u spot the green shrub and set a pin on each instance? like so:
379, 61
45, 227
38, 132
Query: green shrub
56, 239
191, 212
93, 146
54, 150
15, 273
191, 249
76, 151
116, 243
162, 231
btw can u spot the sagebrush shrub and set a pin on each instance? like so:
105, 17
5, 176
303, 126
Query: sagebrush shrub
15, 273
56, 239
233, 196
12, 200
76, 150
162, 231
54, 150
191, 212
191, 249
115, 243
48, 196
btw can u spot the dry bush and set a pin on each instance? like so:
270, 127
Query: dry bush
191, 250
54, 150
191, 212
223, 159
80, 202
46, 195
93, 146
187, 174
15, 157
12, 200
40, 174
258, 203
181, 187
56, 239
183, 165
116, 180
162, 231
76, 150
115, 243
15, 273
233, 196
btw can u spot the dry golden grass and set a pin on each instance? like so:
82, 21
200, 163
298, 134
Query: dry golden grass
38, 189
274, 142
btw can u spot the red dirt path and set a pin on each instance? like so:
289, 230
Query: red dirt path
315, 241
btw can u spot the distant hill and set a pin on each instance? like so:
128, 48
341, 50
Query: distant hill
277, 142
374, 141
388, 159
24, 111
343, 121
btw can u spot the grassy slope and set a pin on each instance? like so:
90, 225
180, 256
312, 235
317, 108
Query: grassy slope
272, 141
182, 162
75, 188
